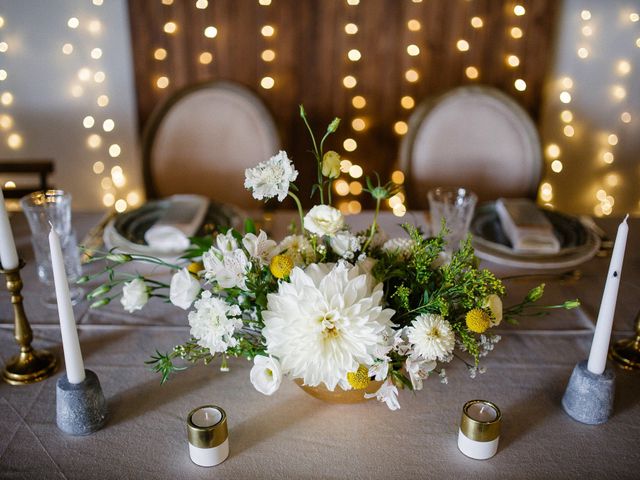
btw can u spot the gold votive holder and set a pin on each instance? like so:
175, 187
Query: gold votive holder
208, 435
30, 365
479, 432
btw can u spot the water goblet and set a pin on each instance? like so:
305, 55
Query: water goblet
456, 206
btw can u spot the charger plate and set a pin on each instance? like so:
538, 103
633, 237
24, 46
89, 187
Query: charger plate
126, 232
578, 242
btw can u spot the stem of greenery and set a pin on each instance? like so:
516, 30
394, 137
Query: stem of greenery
300, 212
316, 152
373, 225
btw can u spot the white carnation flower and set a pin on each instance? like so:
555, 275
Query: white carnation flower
266, 374
184, 289
134, 295
325, 323
214, 322
431, 336
345, 244
259, 247
298, 248
388, 393
324, 220
271, 178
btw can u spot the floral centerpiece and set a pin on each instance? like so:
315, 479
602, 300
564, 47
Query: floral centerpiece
325, 306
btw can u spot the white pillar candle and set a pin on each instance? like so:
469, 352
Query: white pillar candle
70, 343
602, 334
8, 254
479, 431
208, 436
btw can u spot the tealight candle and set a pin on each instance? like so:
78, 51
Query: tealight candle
479, 429
208, 435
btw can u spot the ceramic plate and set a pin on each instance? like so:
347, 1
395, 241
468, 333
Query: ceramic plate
578, 243
126, 231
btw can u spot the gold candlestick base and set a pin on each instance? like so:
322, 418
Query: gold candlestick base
626, 352
29, 365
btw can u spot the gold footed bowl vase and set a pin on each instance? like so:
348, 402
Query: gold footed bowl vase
339, 395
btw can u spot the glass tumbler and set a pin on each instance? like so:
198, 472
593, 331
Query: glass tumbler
456, 206
43, 210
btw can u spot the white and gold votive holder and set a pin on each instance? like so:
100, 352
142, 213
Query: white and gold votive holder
479, 429
208, 435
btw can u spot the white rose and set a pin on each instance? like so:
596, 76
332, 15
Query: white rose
345, 244
184, 289
494, 304
324, 220
134, 295
266, 374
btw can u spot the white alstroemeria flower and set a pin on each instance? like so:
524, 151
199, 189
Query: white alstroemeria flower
345, 244
379, 370
388, 393
324, 220
135, 295
214, 322
266, 374
184, 289
494, 304
401, 246
233, 274
432, 337
271, 178
325, 322
418, 371
400, 342
226, 242
260, 247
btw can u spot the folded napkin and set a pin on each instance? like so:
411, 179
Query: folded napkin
526, 226
179, 222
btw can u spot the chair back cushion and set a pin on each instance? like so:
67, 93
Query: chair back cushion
474, 137
202, 140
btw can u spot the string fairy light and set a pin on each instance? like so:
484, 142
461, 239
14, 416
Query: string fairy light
268, 55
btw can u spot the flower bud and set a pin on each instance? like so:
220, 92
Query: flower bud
119, 257
83, 279
569, 304
333, 126
331, 164
100, 303
535, 293
101, 290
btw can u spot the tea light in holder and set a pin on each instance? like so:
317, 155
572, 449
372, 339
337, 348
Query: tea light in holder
208, 435
479, 429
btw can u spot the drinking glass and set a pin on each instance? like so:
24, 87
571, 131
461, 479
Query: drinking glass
456, 205
43, 210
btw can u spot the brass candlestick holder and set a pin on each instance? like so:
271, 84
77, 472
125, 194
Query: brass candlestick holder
626, 352
30, 365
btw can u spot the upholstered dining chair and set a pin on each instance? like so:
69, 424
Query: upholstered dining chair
203, 138
475, 137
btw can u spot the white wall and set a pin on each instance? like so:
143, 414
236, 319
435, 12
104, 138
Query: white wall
46, 110
601, 90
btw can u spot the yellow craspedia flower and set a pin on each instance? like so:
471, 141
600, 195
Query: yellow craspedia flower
195, 267
478, 320
331, 164
359, 379
281, 266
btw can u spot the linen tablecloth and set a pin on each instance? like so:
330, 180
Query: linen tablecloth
292, 435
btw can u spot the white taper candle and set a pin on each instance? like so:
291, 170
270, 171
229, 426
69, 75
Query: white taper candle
8, 254
70, 343
602, 334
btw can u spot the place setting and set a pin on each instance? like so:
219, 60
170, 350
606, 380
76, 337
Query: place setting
250, 255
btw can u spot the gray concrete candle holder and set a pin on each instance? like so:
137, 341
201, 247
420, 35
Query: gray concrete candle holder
80, 408
589, 396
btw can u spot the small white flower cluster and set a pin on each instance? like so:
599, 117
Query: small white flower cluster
213, 323
487, 344
475, 370
271, 178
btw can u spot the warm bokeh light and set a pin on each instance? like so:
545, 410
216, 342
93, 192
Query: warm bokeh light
567, 82
358, 102
354, 55
625, 117
6, 98
341, 187
587, 31
519, 10
102, 101
520, 85
355, 188
88, 121
108, 199
566, 116
607, 157
349, 81
354, 207
414, 25
516, 32
98, 167
73, 22
77, 91
358, 124
349, 144
351, 29
114, 150
583, 52
556, 166
612, 139
546, 192
160, 54
14, 141
268, 55
618, 92
170, 27
462, 45
413, 50
67, 49
476, 22
568, 130
411, 75
513, 60
565, 97
205, 58
623, 67
407, 102
267, 31
267, 83
96, 53
400, 127
99, 77
585, 15
397, 177
121, 205
355, 171
94, 140
471, 72
552, 150
162, 82
212, 32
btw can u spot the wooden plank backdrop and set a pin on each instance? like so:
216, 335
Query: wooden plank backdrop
311, 60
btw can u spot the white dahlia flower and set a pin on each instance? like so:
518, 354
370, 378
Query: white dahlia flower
325, 323
271, 178
432, 337
214, 322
